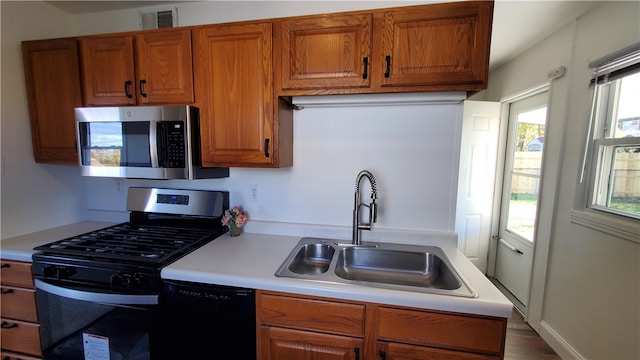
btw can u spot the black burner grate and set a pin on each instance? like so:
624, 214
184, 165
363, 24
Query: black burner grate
128, 242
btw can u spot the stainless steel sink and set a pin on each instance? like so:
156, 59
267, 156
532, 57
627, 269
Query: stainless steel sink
411, 268
312, 259
404, 267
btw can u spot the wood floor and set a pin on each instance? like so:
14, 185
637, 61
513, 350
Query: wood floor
523, 343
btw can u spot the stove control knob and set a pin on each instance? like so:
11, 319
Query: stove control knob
58, 272
126, 280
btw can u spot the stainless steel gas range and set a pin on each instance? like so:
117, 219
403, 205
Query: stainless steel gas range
99, 294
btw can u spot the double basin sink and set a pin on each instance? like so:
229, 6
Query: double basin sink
404, 267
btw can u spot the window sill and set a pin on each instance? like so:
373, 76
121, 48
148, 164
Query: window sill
626, 229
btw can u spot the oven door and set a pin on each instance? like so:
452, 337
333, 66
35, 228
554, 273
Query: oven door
91, 324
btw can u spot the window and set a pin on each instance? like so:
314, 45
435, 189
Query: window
615, 145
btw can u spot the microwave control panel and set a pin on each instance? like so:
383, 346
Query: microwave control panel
175, 144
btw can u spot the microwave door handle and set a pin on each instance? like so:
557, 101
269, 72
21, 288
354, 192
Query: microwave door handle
115, 299
153, 143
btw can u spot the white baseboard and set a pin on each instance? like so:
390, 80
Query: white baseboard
558, 344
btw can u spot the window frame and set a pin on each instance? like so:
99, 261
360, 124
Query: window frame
621, 224
603, 148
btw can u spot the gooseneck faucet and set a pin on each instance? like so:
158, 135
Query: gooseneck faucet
373, 213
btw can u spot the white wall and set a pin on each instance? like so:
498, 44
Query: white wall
589, 306
412, 151
34, 197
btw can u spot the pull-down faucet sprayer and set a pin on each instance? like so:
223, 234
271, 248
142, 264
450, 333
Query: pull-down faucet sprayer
373, 213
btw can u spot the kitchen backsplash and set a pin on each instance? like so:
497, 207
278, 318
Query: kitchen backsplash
412, 150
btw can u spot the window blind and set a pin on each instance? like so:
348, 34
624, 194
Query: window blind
616, 65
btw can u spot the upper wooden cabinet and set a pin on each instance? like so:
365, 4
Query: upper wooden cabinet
435, 47
327, 51
243, 124
139, 69
444, 44
53, 91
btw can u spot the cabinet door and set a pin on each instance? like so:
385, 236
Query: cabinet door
279, 343
234, 77
164, 67
20, 336
437, 44
396, 351
53, 91
18, 304
107, 70
328, 51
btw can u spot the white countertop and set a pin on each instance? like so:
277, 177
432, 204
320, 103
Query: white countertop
251, 260
20, 248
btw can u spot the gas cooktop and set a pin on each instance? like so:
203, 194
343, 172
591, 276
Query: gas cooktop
164, 225
131, 242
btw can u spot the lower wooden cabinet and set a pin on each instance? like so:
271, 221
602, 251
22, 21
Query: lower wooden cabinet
292, 326
397, 351
7, 355
280, 343
20, 331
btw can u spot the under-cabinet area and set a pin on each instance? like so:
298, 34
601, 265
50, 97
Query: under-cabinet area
297, 326
243, 74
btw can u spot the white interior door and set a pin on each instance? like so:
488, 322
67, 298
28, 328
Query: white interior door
519, 206
479, 146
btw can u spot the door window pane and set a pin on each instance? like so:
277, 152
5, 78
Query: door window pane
525, 172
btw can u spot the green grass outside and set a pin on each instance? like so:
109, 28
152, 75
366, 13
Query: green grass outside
630, 205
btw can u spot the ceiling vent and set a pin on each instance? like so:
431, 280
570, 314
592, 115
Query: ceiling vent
159, 18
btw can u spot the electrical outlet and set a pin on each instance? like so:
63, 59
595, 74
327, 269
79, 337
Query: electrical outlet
253, 192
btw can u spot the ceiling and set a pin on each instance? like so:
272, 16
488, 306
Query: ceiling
517, 24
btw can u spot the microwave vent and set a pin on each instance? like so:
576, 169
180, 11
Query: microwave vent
158, 19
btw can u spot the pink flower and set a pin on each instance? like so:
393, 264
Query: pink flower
234, 217
240, 220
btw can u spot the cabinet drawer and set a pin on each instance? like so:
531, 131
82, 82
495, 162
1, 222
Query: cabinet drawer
20, 336
402, 351
481, 334
5, 355
16, 274
19, 304
318, 315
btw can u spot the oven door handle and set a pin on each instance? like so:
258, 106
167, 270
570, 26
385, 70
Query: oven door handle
115, 299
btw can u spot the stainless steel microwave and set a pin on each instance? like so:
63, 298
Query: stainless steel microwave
142, 142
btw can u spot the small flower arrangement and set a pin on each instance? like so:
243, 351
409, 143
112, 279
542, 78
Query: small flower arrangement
234, 218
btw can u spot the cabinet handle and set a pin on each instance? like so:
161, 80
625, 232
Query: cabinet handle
5, 265
7, 291
383, 355
142, 83
266, 147
127, 84
365, 62
6, 325
357, 352
387, 72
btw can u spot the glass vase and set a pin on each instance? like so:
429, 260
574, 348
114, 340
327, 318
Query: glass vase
235, 231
